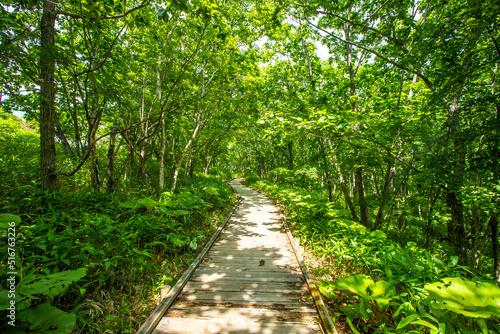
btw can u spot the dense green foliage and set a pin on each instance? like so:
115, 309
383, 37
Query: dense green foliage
402, 276
98, 257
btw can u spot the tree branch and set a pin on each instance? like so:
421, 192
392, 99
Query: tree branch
387, 150
419, 74
392, 39
105, 17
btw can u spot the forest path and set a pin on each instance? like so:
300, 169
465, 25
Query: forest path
249, 282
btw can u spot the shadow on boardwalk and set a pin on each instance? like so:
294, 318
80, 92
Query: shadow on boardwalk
249, 282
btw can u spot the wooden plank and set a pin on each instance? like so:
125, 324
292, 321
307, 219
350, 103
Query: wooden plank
268, 315
245, 296
266, 240
254, 263
248, 258
226, 326
286, 307
250, 266
223, 278
257, 271
254, 270
275, 287
150, 323
264, 251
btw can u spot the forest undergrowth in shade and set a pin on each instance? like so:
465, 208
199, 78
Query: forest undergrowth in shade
95, 262
375, 123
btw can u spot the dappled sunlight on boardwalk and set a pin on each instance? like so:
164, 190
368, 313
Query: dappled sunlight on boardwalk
249, 282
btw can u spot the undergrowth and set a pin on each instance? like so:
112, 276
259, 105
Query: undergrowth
87, 262
380, 285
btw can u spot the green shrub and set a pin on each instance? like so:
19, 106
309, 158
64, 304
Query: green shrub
403, 289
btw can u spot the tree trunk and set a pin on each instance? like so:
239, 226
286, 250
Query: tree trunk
493, 215
457, 227
327, 172
290, 161
74, 111
183, 155
161, 172
429, 216
111, 157
47, 95
457, 223
384, 196
358, 174
363, 206
495, 247
342, 182
68, 150
94, 120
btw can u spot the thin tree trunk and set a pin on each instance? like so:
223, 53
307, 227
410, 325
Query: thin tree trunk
494, 245
68, 150
73, 111
93, 121
358, 174
327, 171
342, 182
363, 206
183, 155
290, 161
429, 217
495, 180
457, 227
47, 96
161, 172
384, 196
111, 157
210, 158
457, 223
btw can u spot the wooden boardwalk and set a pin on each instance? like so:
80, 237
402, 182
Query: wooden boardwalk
249, 281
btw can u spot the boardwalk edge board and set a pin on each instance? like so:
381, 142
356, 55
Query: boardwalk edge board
326, 321
150, 324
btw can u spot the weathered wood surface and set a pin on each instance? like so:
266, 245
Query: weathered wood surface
249, 281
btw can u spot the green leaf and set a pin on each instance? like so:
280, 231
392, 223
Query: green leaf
147, 202
425, 323
211, 191
53, 284
382, 292
46, 318
472, 299
7, 220
163, 210
193, 244
327, 290
482, 324
4, 300
355, 331
406, 321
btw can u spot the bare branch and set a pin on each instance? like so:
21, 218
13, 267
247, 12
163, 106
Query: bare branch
418, 73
